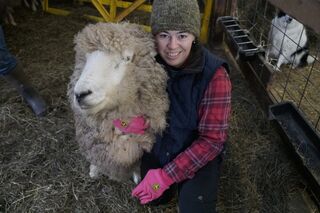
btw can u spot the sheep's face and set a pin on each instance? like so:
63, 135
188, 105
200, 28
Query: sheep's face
97, 86
286, 22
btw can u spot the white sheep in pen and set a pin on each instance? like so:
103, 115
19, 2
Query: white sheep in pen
118, 97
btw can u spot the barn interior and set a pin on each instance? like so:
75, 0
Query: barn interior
42, 170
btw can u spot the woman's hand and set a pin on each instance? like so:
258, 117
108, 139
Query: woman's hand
152, 186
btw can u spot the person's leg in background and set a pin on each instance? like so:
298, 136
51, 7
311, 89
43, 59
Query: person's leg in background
11, 71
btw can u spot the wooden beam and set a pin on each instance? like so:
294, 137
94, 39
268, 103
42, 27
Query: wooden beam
233, 8
216, 33
306, 11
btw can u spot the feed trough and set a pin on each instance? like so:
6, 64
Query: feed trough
241, 43
303, 141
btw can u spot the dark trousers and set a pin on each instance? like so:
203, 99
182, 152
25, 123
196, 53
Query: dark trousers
198, 194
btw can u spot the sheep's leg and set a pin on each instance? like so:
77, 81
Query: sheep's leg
281, 61
26, 3
295, 64
35, 5
94, 171
9, 17
136, 177
266, 56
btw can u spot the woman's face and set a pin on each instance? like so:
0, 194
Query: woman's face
174, 46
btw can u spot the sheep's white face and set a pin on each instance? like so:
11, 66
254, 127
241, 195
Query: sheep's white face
101, 75
286, 22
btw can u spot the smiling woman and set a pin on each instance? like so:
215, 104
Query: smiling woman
189, 153
174, 46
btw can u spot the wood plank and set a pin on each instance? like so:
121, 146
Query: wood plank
216, 33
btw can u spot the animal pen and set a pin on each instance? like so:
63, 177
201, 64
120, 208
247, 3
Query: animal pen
290, 93
41, 169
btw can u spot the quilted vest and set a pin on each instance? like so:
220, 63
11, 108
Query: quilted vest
185, 92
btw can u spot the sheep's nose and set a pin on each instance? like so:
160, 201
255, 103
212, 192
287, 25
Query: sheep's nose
80, 96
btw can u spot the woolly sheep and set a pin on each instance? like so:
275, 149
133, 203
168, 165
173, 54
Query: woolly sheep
116, 77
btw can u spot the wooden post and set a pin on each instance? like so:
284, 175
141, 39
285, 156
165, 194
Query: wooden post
233, 8
216, 33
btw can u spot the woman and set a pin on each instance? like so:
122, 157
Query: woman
187, 156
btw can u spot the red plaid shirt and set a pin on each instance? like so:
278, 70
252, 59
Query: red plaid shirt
214, 112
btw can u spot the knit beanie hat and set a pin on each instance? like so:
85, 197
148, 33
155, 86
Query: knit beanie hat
180, 15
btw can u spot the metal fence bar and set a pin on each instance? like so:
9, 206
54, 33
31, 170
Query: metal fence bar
305, 87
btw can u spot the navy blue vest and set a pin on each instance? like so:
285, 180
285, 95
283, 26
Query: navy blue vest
185, 92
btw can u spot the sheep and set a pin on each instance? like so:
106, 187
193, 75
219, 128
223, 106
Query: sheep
288, 42
116, 79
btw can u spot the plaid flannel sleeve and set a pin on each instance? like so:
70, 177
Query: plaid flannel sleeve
214, 112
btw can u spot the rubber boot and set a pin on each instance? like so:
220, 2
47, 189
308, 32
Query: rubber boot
20, 81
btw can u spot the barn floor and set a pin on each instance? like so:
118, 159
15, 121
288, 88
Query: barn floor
41, 169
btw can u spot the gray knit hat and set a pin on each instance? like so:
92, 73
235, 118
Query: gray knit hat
181, 15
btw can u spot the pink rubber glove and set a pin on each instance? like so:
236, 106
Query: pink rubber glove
152, 186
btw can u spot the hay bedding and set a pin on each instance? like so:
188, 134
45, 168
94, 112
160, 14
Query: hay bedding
41, 169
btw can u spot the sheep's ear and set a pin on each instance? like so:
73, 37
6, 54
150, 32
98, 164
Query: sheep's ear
127, 55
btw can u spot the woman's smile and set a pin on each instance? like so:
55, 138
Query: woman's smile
174, 46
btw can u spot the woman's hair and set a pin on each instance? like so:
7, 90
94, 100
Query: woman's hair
180, 15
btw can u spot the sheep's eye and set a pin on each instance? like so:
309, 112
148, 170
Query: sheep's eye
116, 66
127, 58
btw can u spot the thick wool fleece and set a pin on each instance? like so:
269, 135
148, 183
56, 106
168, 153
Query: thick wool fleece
142, 92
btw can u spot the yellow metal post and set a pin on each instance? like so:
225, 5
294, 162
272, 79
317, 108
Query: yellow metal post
113, 9
54, 11
45, 5
102, 10
125, 4
127, 11
206, 21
